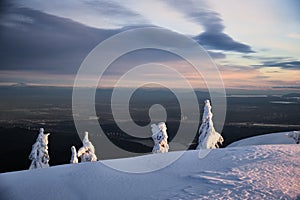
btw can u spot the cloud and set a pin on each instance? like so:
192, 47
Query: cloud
216, 55
284, 62
187, 17
283, 65
56, 45
213, 36
262, 77
294, 35
163, 14
287, 87
93, 13
221, 41
33, 40
116, 14
266, 58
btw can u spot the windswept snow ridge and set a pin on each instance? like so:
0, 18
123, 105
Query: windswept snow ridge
271, 138
253, 172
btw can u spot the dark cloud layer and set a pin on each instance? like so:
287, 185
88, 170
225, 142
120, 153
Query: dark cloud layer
284, 62
266, 58
33, 40
287, 87
213, 37
283, 65
221, 41
276, 61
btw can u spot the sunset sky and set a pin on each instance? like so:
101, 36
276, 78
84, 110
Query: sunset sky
255, 44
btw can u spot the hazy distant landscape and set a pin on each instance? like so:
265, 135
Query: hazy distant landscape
23, 110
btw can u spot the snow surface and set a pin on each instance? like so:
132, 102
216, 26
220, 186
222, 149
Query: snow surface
252, 172
273, 138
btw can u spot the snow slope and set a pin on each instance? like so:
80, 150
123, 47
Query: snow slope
272, 138
253, 172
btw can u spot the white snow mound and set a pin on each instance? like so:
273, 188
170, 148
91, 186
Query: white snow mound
253, 172
271, 138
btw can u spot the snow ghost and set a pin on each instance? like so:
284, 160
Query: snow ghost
295, 135
74, 158
208, 137
160, 138
39, 153
87, 152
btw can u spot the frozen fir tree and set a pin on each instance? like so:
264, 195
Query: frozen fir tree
39, 153
87, 152
74, 158
209, 138
295, 135
160, 138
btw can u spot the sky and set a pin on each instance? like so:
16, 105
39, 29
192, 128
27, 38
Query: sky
254, 44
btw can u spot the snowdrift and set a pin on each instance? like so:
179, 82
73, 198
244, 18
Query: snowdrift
252, 172
272, 138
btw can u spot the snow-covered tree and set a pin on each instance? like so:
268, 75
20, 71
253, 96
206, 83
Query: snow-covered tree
209, 138
160, 138
87, 152
295, 135
74, 158
39, 153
